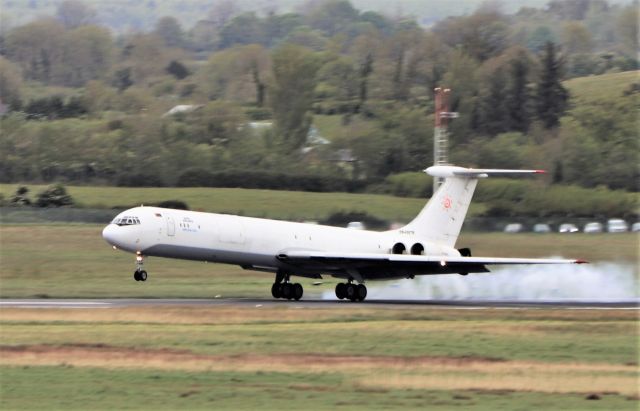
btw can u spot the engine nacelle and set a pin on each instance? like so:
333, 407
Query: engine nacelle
398, 248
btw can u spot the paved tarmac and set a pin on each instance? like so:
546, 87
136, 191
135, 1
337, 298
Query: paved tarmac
316, 303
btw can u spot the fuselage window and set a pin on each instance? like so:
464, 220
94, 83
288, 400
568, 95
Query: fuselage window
126, 221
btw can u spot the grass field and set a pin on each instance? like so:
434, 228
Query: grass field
600, 89
255, 203
291, 356
348, 358
74, 261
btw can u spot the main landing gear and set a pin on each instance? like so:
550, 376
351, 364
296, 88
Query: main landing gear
140, 274
282, 288
350, 291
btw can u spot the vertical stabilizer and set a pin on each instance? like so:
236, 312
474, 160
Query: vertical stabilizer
440, 221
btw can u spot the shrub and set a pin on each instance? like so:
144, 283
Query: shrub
175, 204
54, 196
406, 185
20, 198
342, 218
270, 180
177, 70
258, 113
195, 177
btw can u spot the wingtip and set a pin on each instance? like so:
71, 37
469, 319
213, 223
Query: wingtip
581, 261
541, 171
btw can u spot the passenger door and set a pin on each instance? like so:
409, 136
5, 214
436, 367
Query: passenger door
171, 226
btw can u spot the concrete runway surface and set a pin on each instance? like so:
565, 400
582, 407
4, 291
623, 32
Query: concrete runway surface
316, 303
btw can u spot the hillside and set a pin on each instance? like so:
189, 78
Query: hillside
604, 88
84, 107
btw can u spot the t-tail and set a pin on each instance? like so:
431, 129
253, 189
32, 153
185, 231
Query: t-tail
440, 221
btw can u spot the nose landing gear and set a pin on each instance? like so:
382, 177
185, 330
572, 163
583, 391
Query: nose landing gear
140, 274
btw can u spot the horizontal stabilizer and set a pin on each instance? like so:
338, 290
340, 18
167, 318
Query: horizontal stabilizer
454, 171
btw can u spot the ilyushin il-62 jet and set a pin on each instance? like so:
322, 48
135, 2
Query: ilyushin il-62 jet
425, 246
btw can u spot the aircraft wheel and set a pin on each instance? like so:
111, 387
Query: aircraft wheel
143, 275
361, 292
276, 290
286, 291
351, 292
297, 291
341, 291
136, 275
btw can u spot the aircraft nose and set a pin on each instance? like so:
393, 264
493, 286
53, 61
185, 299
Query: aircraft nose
107, 233
111, 234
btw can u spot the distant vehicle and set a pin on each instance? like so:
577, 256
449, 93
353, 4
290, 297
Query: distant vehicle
568, 228
541, 228
593, 227
617, 225
635, 227
513, 228
355, 225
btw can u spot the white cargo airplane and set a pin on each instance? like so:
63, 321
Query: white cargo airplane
424, 246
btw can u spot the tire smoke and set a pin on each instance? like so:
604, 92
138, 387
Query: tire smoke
598, 282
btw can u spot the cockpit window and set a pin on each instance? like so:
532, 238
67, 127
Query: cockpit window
126, 220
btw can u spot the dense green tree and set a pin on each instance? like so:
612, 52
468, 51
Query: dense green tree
278, 26
246, 28
552, 98
203, 36
518, 99
291, 96
493, 110
177, 70
306, 37
238, 73
87, 54
169, 30
365, 55
505, 150
38, 48
462, 77
255, 60
539, 38
222, 12
332, 16
571, 9
219, 123
146, 55
576, 38
122, 78
627, 26
10, 83
379, 21
73, 14
340, 79
482, 35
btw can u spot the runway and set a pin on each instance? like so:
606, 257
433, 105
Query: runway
317, 303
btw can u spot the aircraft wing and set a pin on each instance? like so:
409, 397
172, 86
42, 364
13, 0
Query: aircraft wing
403, 263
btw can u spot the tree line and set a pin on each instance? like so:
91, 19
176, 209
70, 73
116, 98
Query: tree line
87, 106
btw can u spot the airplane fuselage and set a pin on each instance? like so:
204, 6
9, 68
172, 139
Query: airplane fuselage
253, 243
